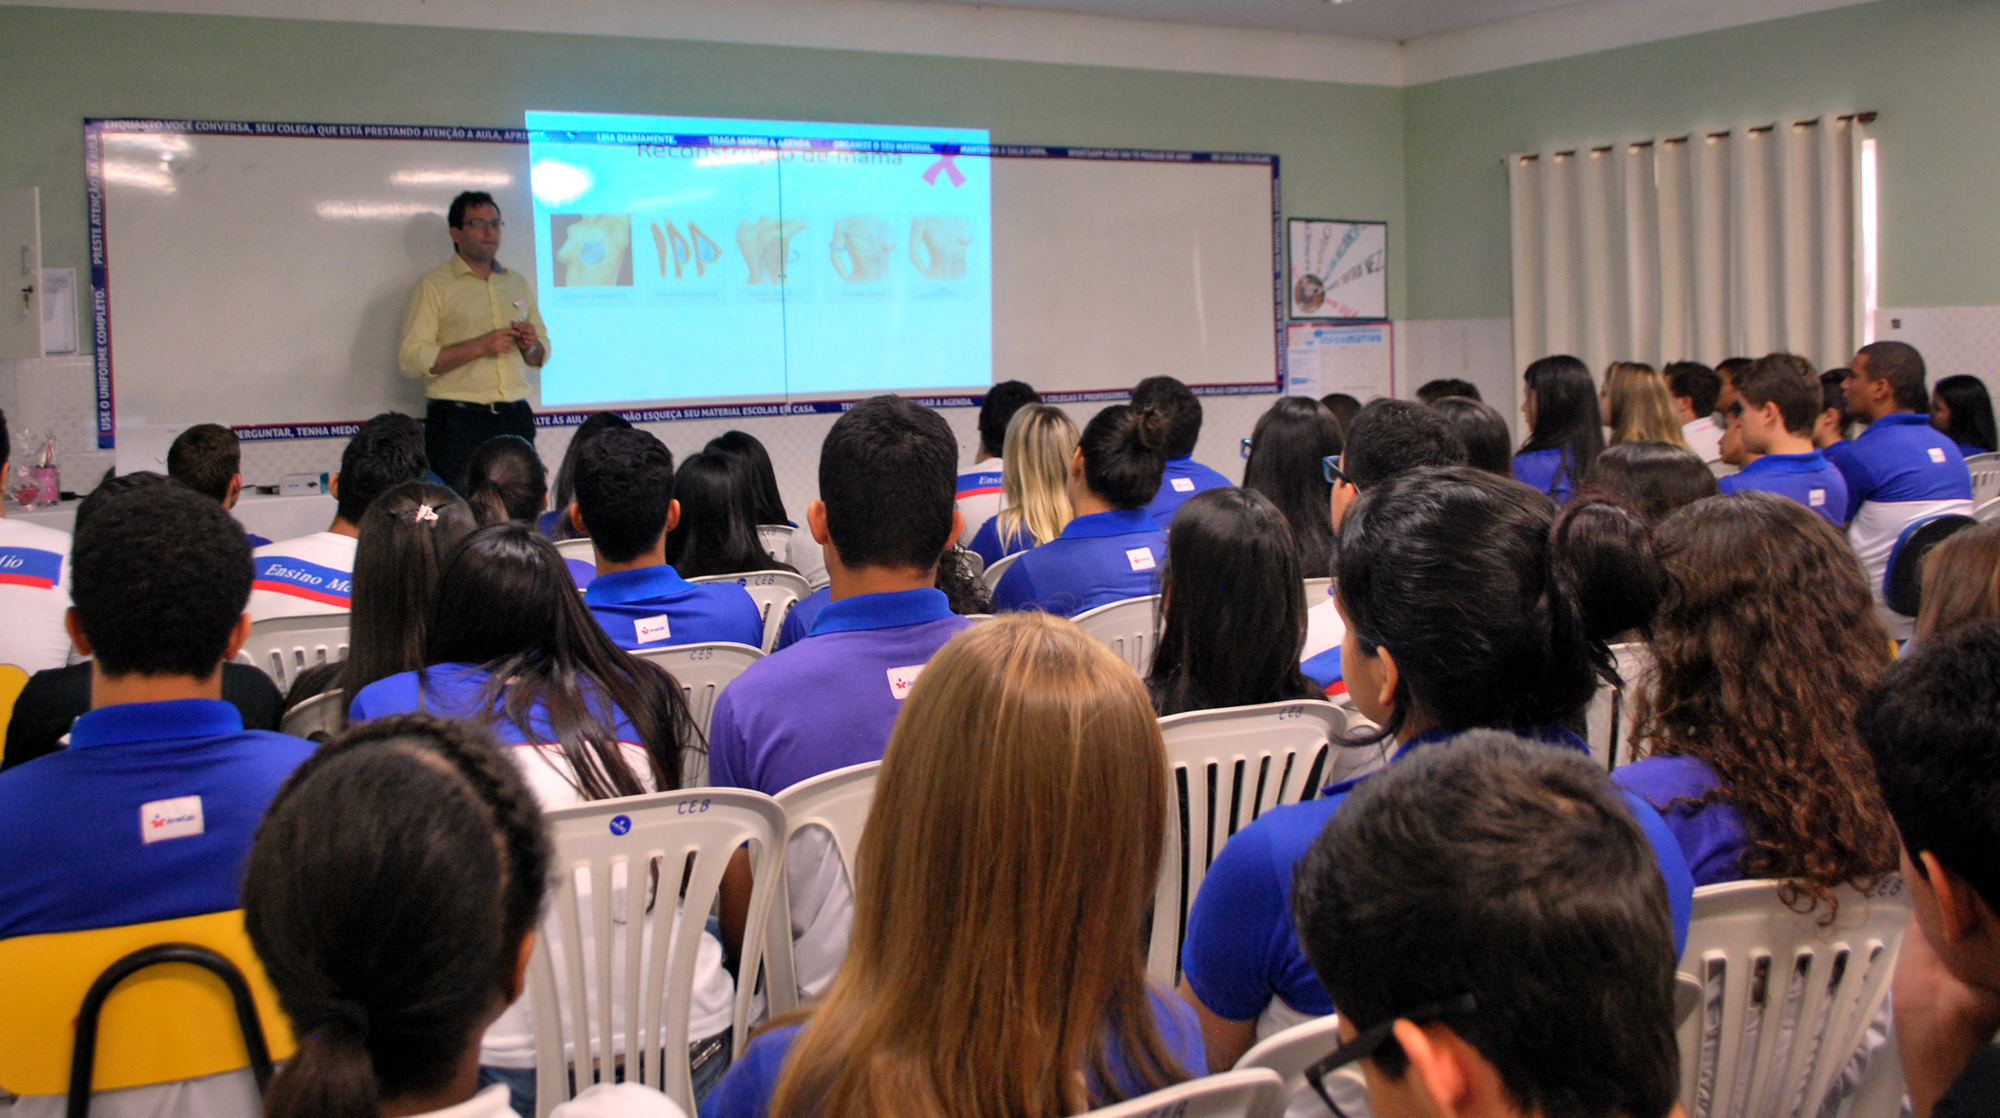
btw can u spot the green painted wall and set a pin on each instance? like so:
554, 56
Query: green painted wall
1341, 146
1928, 66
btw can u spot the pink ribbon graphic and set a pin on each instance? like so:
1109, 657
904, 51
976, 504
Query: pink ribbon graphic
950, 169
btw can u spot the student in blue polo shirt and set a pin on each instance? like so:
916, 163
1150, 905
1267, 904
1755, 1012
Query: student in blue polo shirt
1457, 619
1182, 477
1565, 426
982, 489
1777, 403
1900, 470
1113, 549
885, 516
625, 503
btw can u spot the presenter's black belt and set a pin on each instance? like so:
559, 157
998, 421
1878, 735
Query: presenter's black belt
496, 408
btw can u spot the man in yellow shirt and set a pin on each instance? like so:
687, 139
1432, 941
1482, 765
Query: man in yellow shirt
471, 332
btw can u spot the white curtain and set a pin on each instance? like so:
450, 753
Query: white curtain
1691, 247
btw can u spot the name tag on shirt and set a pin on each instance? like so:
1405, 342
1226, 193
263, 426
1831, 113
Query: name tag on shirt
902, 679
652, 629
1141, 558
179, 817
1816, 498
1937, 454
1183, 485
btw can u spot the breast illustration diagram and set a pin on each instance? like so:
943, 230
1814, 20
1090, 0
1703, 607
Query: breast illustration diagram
938, 246
766, 245
861, 248
680, 251
593, 249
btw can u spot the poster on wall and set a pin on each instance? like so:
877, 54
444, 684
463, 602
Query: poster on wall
1358, 360
1339, 269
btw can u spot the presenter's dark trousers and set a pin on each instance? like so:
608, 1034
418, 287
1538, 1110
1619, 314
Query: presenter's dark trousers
454, 429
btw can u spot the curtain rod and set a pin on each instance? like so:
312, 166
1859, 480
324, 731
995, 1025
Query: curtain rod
1634, 145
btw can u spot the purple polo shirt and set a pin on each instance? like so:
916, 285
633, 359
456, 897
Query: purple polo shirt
1099, 559
1807, 478
1711, 835
828, 702
654, 607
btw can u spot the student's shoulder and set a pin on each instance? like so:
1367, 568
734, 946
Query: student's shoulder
1662, 779
746, 1088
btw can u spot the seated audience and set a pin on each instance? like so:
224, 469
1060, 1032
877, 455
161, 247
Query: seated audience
1387, 439
1929, 724
1734, 456
1694, 388
56, 697
1900, 470
1776, 405
1182, 476
1233, 605
417, 832
982, 489
1762, 777
716, 534
208, 459
1652, 479
556, 523
625, 504
1285, 450
35, 596
1040, 441
1343, 408
992, 973
314, 574
1488, 444
1961, 584
1456, 620
1962, 410
885, 515
509, 644
1444, 388
1441, 910
1564, 435
767, 505
149, 813
1112, 550
1831, 426
1636, 405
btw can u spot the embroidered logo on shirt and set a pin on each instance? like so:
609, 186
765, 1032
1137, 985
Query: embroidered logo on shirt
179, 817
1141, 558
1937, 454
652, 629
299, 579
1816, 498
1183, 485
29, 566
902, 679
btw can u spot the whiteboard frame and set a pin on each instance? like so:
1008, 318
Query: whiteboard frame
95, 128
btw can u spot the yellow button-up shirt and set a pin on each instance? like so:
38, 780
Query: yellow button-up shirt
451, 304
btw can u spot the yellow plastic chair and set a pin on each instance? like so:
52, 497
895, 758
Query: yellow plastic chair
134, 1006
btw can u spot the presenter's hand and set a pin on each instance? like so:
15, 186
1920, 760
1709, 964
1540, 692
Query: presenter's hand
524, 335
494, 342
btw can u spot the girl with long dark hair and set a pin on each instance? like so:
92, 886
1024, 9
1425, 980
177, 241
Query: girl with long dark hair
1286, 448
717, 533
767, 506
1961, 408
1565, 433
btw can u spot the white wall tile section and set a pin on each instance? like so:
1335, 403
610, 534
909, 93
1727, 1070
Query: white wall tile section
1952, 339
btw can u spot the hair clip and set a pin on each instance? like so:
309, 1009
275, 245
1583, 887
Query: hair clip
424, 514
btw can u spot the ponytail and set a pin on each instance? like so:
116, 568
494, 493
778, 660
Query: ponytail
1124, 454
1604, 563
506, 481
331, 1074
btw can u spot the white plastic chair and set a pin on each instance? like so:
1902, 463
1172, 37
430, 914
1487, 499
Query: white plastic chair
776, 538
1786, 1000
325, 712
1608, 722
1250, 1093
970, 558
1987, 510
703, 670
580, 550
1985, 477
991, 575
648, 1011
775, 593
1289, 1052
1228, 767
282, 647
838, 801
1130, 628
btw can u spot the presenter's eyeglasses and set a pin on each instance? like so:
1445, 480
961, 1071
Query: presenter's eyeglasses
1329, 468
1372, 1038
477, 224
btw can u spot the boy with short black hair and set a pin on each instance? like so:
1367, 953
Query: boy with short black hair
1694, 388
980, 492
625, 503
208, 459
1777, 403
1431, 391
1184, 477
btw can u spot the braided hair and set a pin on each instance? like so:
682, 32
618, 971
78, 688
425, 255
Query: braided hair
388, 893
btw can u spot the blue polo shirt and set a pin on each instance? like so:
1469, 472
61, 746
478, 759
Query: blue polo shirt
1711, 836
1807, 478
452, 690
799, 622
1101, 558
654, 607
828, 702
148, 815
747, 1087
1241, 948
1543, 470
991, 548
1184, 477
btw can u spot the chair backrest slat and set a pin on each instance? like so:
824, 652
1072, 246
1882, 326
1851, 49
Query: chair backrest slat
282, 647
775, 593
1130, 628
838, 801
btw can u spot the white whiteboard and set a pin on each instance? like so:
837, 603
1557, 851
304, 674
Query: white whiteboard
260, 279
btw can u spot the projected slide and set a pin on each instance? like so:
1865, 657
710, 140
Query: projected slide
695, 259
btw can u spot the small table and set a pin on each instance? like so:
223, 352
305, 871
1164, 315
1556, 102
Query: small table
270, 516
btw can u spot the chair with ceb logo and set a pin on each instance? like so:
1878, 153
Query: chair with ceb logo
775, 593
168, 1004
282, 647
1129, 628
702, 670
612, 974
831, 809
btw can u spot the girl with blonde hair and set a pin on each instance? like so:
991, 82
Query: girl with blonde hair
1002, 886
1638, 407
1034, 473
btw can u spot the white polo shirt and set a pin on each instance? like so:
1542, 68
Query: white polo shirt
309, 575
1323, 627
981, 495
1704, 437
34, 595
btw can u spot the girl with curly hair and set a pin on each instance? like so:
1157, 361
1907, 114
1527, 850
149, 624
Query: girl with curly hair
1765, 644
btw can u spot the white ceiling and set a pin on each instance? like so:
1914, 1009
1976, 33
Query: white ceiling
1391, 20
